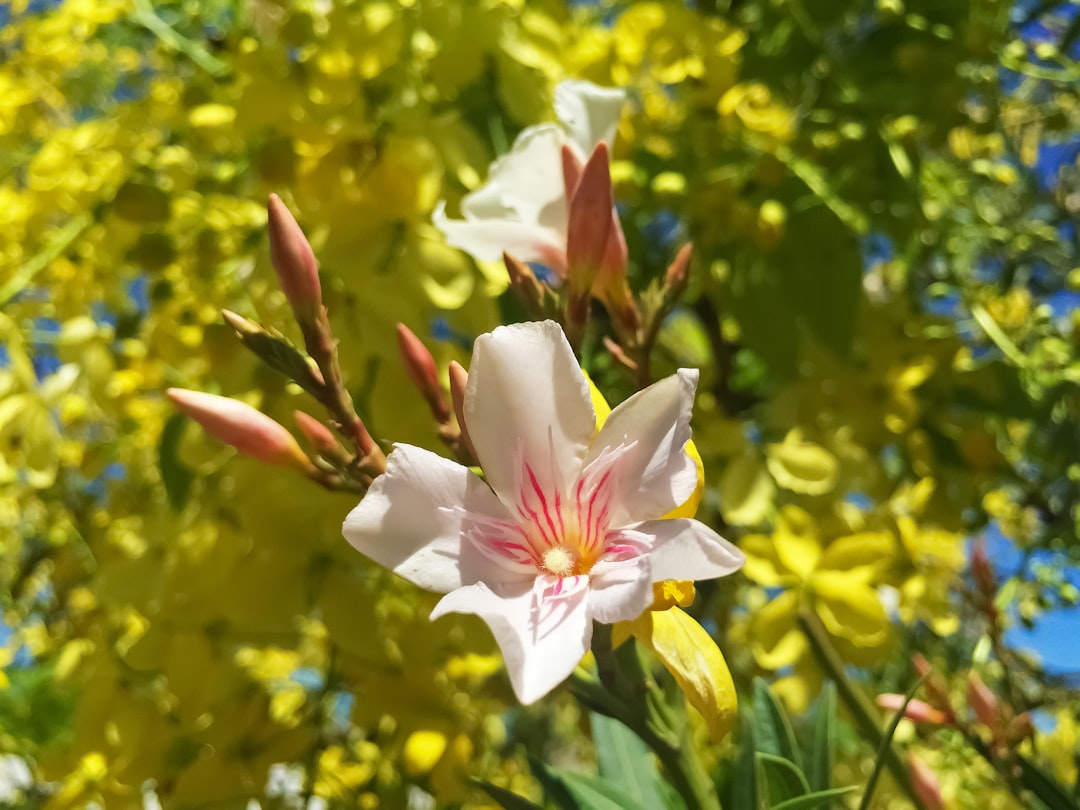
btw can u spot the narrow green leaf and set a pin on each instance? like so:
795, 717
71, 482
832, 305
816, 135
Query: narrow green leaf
823, 742
625, 760
812, 801
744, 781
1052, 794
506, 799
175, 475
554, 788
785, 779
886, 745
772, 729
61, 240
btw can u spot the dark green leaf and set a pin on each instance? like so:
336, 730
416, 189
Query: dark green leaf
282, 356
818, 268
813, 801
784, 778
772, 729
625, 760
823, 742
505, 798
591, 793
175, 475
744, 781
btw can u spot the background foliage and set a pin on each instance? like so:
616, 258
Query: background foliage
882, 197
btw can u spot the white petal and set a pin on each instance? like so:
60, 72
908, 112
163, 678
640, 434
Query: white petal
486, 239
527, 402
589, 112
414, 517
526, 184
656, 474
684, 548
620, 591
542, 637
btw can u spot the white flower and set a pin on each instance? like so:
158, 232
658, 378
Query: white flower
523, 208
566, 529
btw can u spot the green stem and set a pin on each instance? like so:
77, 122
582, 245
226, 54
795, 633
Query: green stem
144, 15
862, 709
61, 241
629, 694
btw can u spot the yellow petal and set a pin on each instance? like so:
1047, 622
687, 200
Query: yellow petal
799, 553
691, 655
746, 490
802, 466
777, 640
762, 565
863, 555
850, 609
689, 507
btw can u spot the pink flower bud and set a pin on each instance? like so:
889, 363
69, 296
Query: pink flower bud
925, 784
423, 372
981, 569
678, 272
251, 432
294, 261
318, 435
459, 378
983, 702
589, 223
917, 711
571, 170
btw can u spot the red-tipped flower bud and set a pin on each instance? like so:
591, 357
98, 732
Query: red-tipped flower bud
983, 702
459, 378
589, 223
571, 170
423, 372
251, 432
294, 261
318, 435
925, 784
678, 272
982, 570
917, 711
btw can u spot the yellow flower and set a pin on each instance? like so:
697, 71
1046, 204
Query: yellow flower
837, 581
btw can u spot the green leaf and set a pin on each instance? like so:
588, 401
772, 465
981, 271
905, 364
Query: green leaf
823, 743
743, 791
506, 798
282, 356
772, 729
625, 760
785, 779
886, 745
554, 788
597, 794
175, 475
767, 322
818, 268
812, 801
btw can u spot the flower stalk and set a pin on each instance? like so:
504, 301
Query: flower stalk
627, 692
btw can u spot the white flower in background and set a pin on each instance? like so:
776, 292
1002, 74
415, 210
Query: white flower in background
523, 209
567, 527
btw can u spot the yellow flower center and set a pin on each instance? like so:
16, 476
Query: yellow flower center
560, 560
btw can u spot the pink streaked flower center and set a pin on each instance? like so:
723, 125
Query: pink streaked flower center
558, 531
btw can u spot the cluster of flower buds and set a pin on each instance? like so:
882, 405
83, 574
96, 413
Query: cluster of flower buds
424, 374
990, 724
595, 263
347, 458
